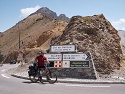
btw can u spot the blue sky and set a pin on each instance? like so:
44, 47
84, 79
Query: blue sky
12, 11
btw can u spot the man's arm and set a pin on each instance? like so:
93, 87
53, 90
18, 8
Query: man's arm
47, 61
35, 60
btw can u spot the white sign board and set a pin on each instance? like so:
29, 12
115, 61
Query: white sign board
53, 57
63, 48
66, 64
74, 57
20, 56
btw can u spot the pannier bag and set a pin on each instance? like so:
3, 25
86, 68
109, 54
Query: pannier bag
33, 70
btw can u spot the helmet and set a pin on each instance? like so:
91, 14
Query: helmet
41, 52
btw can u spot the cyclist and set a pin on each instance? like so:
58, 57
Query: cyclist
40, 59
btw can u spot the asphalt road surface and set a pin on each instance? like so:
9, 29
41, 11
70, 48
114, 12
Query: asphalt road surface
12, 85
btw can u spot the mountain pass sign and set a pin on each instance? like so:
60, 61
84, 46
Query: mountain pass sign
54, 57
67, 57
75, 57
63, 48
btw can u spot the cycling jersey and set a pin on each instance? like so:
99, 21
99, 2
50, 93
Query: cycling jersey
40, 59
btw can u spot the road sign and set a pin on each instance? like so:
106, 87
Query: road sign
79, 64
20, 56
51, 64
66, 64
54, 57
63, 48
75, 57
72, 60
58, 64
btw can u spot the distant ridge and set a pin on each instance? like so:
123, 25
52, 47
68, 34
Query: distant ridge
46, 11
63, 17
122, 36
49, 13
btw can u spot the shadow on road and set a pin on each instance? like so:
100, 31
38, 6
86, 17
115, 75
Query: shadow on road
29, 82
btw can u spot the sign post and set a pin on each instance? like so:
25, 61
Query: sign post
55, 60
79, 64
54, 57
75, 57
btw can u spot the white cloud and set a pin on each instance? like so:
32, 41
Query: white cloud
119, 25
27, 11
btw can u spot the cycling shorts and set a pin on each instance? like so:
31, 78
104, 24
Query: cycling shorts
41, 67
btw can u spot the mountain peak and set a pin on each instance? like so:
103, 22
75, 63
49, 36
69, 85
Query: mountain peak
63, 17
47, 12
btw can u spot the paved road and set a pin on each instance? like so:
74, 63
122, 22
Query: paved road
12, 85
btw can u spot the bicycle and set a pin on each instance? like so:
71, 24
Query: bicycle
41, 75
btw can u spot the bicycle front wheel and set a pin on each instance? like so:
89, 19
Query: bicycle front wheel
53, 77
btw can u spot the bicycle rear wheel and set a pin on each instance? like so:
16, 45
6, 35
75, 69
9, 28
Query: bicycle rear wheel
33, 78
53, 77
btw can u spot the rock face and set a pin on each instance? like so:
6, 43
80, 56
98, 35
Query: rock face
122, 35
96, 35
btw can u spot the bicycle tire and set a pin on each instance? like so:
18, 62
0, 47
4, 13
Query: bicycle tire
40, 79
53, 77
33, 78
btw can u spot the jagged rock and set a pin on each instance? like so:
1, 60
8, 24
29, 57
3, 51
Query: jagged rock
97, 35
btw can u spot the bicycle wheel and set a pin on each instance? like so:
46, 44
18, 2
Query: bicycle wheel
52, 76
33, 78
42, 77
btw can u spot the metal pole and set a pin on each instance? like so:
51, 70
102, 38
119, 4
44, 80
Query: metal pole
94, 66
19, 35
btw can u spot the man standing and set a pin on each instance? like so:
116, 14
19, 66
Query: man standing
40, 59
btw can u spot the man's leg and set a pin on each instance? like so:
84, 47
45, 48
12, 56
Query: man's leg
47, 74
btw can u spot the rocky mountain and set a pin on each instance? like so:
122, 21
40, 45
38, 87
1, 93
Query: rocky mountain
42, 28
1, 34
35, 33
63, 17
122, 35
49, 13
96, 35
